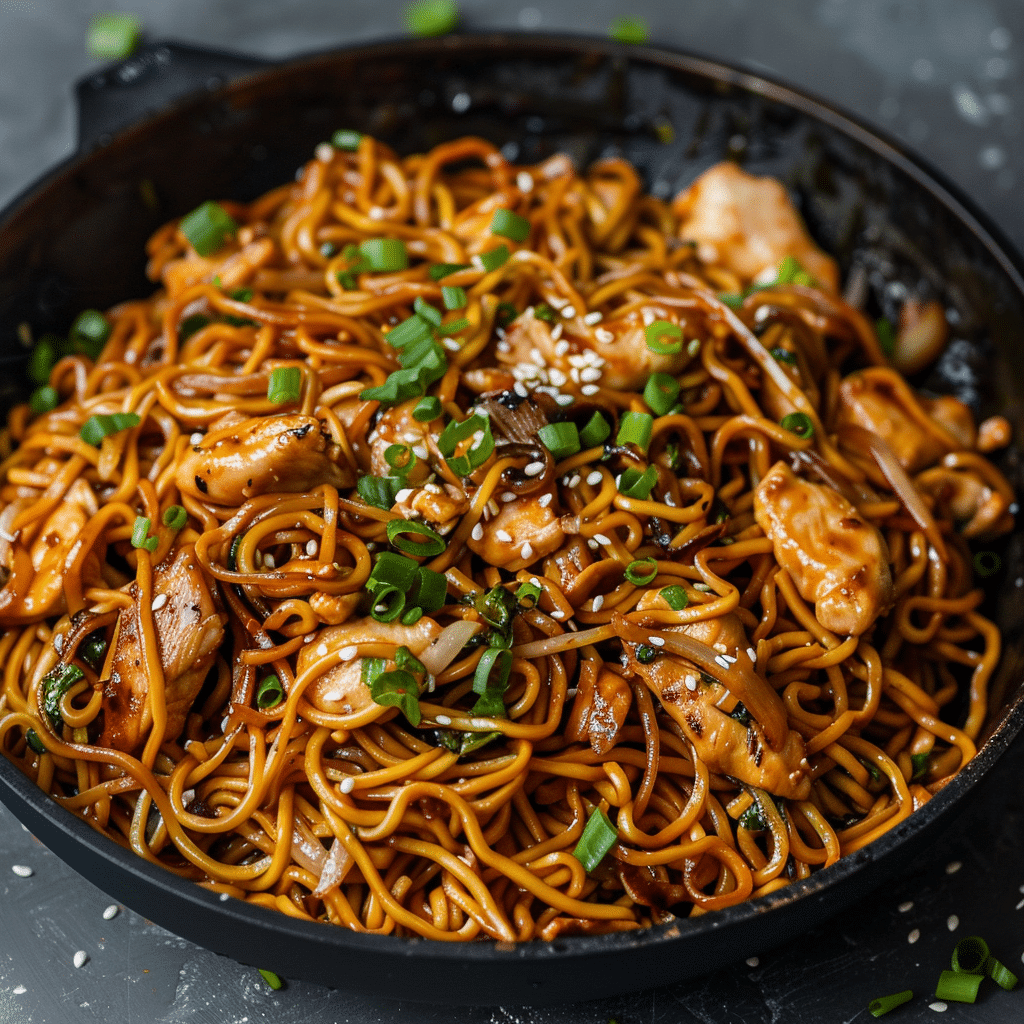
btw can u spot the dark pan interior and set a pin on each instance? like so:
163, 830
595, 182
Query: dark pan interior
76, 240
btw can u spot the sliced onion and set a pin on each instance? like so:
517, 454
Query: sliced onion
307, 850
563, 642
336, 866
445, 649
922, 335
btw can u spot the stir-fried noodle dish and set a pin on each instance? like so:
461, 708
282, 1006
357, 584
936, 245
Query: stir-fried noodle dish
457, 549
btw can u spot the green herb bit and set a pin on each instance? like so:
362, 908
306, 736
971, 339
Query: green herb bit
44, 399
528, 595
33, 740
437, 271
411, 616
496, 607
629, 30
732, 299
495, 258
89, 333
987, 563
460, 743
543, 311
453, 297
92, 651
430, 313
55, 684
175, 517
379, 491
270, 693
400, 457
661, 393
113, 36
783, 355
477, 427
886, 336
798, 423
427, 409
346, 139
511, 225
490, 681
635, 428
596, 431
659, 329
919, 766
641, 572
637, 485
398, 689
432, 545
645, 655
883, 1004
791, 271
561, 439
752, 819
408, 662
432, 589
384, 255
675, 596
192, 325
599, 836
140, 530
208, 227
271, 979
285, 385
740, 713
432, 17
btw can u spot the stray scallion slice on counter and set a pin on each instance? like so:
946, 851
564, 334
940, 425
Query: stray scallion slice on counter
629, 30
285, 385
346, 139
270, 693
561, 439
599, 836
432, 17
659, 329
958, 986
114, 35
208, 227
100, 426
511, 225
271, 979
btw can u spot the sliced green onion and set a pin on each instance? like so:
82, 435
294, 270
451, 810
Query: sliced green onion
432, 591
285, 385
661, 392
397, 530
495, 258
528, 595
919, 766
497, 661
783, 355
241, 295
798, 423
140, 529
44, 399
497, 607
89, 332
398, 689
599, 836
561, 439
55, 684
429, 313
676, 597
629, 30
233, 552
791, 271
987, 563
33, 740
732, 299
638, 574
509, 224
505, 313
175, 517
440, 270
634, 484
400, 457
384, 255
453, 297
454, 433
394, 571
412, 616
752, 819
635, 428
113, 36
208, 227
596, 432
270, 693
97, 427
271, 979
659, 329
408, 332
432, 17
388, 603
378, 491
192, 324
958, 986
427, 409
346, 139
93, 650
454, 326
544, 312
886, 336
645, 655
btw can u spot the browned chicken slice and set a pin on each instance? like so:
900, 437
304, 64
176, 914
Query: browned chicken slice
600, 710
966, 499
262, 455
748, 225
727, 745
523, 531
341, 690
397, 426
836, 560
189, 628
919, 432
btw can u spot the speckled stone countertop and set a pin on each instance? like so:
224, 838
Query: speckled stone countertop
945, 76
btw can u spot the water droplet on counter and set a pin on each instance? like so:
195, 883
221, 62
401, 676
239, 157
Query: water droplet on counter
969, 105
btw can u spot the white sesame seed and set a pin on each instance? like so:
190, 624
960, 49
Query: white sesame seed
649, 317
905, 906
524, 181
504, 536
590, 374
492, 507
404, 494
729, 659
604, 336
598, 602
751, 654
81, 958
420, 451
507, 497
691, 682
561, 348
111, 912
347, 784
442, 720
693, 347
721, 662
564, 399
753, 961
658, 641
322, 650
196, 437
669, 501
914, 936
411, 437
324, 152
311, 547
22, 870
556, 377
432, 488
574, 373
11, 539
938, 1006
589, 389
593, 318
575, 480
526, 551
721, 648
952, 922
503, 346
268, 561
594, 478
556, 332
478, 532
592, 544
557, 302
534, 469
545, 500
953, 867
519, 389
159, 601
601, 538
569, 312
556, 614
348, 653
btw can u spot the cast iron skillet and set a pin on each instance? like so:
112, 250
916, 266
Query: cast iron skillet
75, 240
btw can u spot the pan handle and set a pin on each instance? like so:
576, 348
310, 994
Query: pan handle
154, 77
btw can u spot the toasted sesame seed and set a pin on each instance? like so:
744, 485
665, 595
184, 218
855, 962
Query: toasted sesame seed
593, 318
451, 344
526, 551
347, 784
729, 658
478, 532
649, 317
111, 912
503, 535
590, 374
564, 399
442, 720
81, 958
420, 451
751, 654
348, 653
544, 500
598, 602
658, 641
562, 347
592, 544
905, 906
575, 480
492, 507
22, 870
952, 922
311, 547
524, 181
534, 468
519, 389
321, 650
556, 332
691, 682
557, 302
720, 661
594, 478
269, 562
721, 648
411, 436
953, 867
557, 377
196, 437
604, 336
538, 357
569, 312
507, 497
601, 538
589, 389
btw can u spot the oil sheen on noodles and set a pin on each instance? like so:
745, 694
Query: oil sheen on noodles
465, 550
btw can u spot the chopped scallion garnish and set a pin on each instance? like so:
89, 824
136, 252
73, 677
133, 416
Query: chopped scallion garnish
270, 692
44, 399
511, 225
599, 836
641, 572
634, 484
596, 431
89, 333
378, 491
440, 270
384, 255
55, 684
400, 458
424, 309
175, 517
433, 543
398, 689
100, 426
495, 258
114, 36
798, 423
561, 439
659, 329
886, 336
661, 393
285, 385
453, 297
208, 227
427, 409
635, 428
528, 595
675, 596
346, 139
140, 538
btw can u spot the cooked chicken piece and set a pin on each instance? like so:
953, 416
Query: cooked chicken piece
725, 744
334, 609
486, 379
919, 432
748, 225
438, 504
836, 560
397, 426
232, 268
262, 455
628, 362
341, 690
600, 710
521, 532
966, 499
189, 628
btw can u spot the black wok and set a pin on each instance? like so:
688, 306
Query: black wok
75, 239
